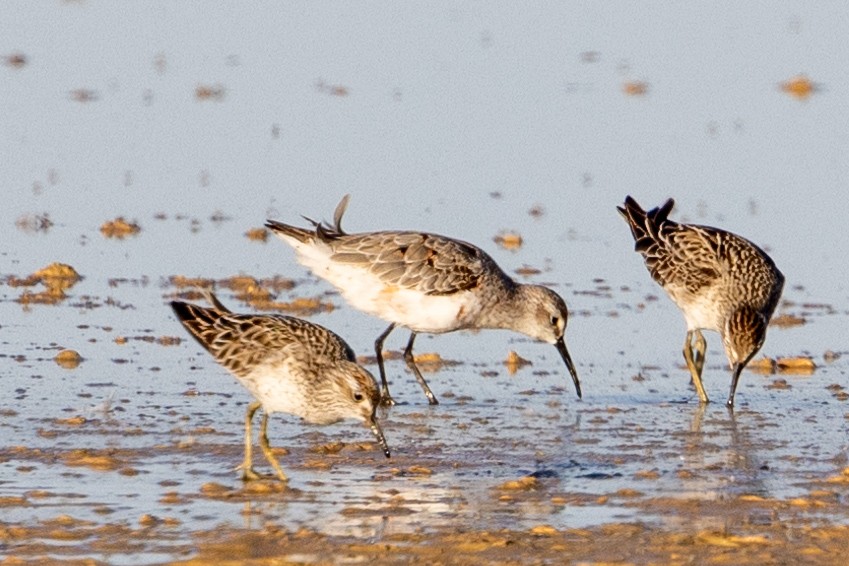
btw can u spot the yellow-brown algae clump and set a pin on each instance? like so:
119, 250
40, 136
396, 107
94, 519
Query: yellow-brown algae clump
515, 362
797, 365
257, 234
68, 359
119, 228
527, 271
72, 421
85, 458
15, 60
214, 92
332, 90
779, 384
799, 87
214, 489
635, 88
264, 487
248, 289
83, 95
509, 240
56, 277
429, 362
763, 366
787, 320
543, 531
300, 305
181, 281
526, 483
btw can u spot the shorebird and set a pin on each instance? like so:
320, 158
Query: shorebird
426, 283
288, 365
720, 281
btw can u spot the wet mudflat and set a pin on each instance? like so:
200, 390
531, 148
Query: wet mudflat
144, 146
127, 455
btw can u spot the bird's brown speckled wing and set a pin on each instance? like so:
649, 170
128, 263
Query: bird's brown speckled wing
676, 255
432, 264
241, 342
429, 263
685, 256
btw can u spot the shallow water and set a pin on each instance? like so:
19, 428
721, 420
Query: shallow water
467, 121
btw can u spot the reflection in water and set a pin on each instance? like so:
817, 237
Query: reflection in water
720, 458
351, 503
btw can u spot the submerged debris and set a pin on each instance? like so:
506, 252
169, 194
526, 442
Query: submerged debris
215, 92
15, 60
34, 222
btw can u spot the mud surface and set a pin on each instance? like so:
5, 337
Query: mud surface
134, 462
145, 144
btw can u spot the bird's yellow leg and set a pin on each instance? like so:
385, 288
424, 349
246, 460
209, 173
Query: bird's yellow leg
248, 472
695, 370
266, 449
701, 346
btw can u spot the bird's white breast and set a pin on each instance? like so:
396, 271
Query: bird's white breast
279, 389
365, 291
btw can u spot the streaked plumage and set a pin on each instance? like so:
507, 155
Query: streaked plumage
427, 283
720, 281
288, 365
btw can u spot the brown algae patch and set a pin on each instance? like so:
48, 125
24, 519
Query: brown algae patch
787, 321
34, 223
796, 365
257, 293
257, 234
119, 228
432, 362
56, 278
526, 483
16, 60
95, 460
791, 365
799, 87
616, 543
515, 362
509, 240
68, 359
214, 92
635, 88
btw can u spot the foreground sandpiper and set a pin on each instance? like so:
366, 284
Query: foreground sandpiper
720, 281
290, 366
427, 283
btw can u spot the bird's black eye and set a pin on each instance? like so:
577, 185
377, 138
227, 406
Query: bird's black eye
555, 320
358, 397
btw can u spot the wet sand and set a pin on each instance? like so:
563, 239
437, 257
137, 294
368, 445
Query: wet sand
147, 143
533, 478
809, 528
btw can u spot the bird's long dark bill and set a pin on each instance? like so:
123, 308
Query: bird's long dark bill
378, 433
735, 377
564, 353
